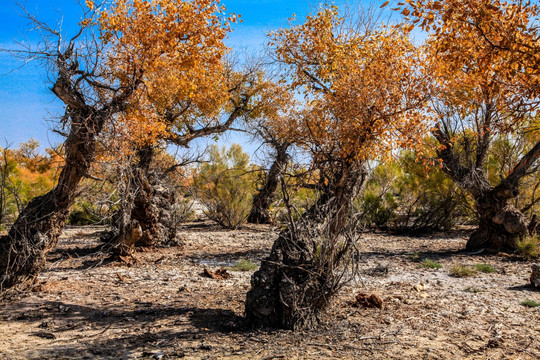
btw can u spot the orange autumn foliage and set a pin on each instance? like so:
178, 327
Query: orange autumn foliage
178, 46
486, 49
362, 87
26, 173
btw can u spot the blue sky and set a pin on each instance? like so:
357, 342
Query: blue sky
26, 103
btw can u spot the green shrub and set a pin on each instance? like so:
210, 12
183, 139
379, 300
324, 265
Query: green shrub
485, 268
460, 270
528, 248
84, 213
377, 203
430, 264
404, 195
225, 186
244, 265
300, 199
530, 303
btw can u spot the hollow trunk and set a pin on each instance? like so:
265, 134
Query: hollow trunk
146, 216
36, 230
500, 225
305, 266
263, 199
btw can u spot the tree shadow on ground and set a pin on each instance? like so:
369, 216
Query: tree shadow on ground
524, 288
144, 313
91, 257
209, 226
75, 252
228, 257
413, 256
116, 332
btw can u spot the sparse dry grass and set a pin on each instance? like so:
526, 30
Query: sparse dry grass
460, 270
430, 264
244, 265
485, 268
530, 303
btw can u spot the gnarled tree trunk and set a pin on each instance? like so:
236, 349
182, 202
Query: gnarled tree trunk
36, 230
146, 216
500, 225
307, 261
262, 201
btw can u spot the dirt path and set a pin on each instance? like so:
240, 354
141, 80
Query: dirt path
164, 308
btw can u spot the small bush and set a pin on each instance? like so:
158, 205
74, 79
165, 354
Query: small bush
485, 268
430, 264
403, 195
244, 265
83, 216
460, 270
528, 247
530, 303
224, 186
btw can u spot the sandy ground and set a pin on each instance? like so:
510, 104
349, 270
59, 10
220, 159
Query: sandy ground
162, 307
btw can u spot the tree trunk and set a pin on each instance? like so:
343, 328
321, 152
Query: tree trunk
146, 216
263, 199
36, 230
307, 261
500, 226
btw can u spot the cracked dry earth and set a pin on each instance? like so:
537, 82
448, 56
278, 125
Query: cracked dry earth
162, 307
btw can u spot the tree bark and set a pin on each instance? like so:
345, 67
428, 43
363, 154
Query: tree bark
500, 225
36, 230
304, 270
265, 196
146, 216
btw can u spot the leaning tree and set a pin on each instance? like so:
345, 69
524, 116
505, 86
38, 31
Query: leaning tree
99, 73
363, 91
483, 57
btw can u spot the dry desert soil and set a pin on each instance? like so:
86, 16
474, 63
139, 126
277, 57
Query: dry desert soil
164, 307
